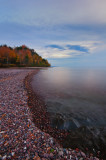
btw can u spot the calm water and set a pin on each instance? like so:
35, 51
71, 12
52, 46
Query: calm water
76, 101
74, 97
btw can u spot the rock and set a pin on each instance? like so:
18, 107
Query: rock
51, 155
13, 153
4, 157
60, 153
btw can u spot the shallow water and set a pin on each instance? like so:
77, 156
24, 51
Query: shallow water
79, 96
76, 101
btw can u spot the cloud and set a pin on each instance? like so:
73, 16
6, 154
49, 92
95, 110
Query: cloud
56, 29
68, 49
77, 48
49, 13
55, 46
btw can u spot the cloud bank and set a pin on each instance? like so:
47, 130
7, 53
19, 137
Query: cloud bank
59, 29
53, 12
69, 49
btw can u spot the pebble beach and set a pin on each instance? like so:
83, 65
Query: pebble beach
20, 138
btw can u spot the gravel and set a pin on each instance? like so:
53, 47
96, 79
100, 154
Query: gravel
19, 138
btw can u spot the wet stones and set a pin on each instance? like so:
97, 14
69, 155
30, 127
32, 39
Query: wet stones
20, 138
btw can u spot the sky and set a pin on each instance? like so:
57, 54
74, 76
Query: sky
66, 32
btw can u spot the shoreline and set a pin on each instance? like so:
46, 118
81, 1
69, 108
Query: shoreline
39, 111
20, 138
85, 138
59, 135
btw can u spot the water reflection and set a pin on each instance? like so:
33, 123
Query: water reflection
78, 92
75, 99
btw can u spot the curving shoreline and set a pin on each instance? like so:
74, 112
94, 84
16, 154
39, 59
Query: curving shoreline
39, 112
20, 138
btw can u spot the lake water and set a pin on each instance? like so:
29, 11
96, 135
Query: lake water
75, 98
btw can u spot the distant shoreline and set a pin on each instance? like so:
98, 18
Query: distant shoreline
23, 67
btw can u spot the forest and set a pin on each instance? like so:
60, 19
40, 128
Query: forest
21, 57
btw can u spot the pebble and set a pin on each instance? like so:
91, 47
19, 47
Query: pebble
13, 153
4, 157
20, 138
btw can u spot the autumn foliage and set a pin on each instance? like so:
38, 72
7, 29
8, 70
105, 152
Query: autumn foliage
20, 56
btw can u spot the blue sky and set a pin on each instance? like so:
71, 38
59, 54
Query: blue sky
66, 32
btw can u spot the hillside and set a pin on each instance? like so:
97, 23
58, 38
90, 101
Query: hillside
20, 57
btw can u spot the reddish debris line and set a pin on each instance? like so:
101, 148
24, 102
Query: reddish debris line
40, 114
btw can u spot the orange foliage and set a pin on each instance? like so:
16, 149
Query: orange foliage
21, 56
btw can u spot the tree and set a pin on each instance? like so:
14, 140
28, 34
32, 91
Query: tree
20, 56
